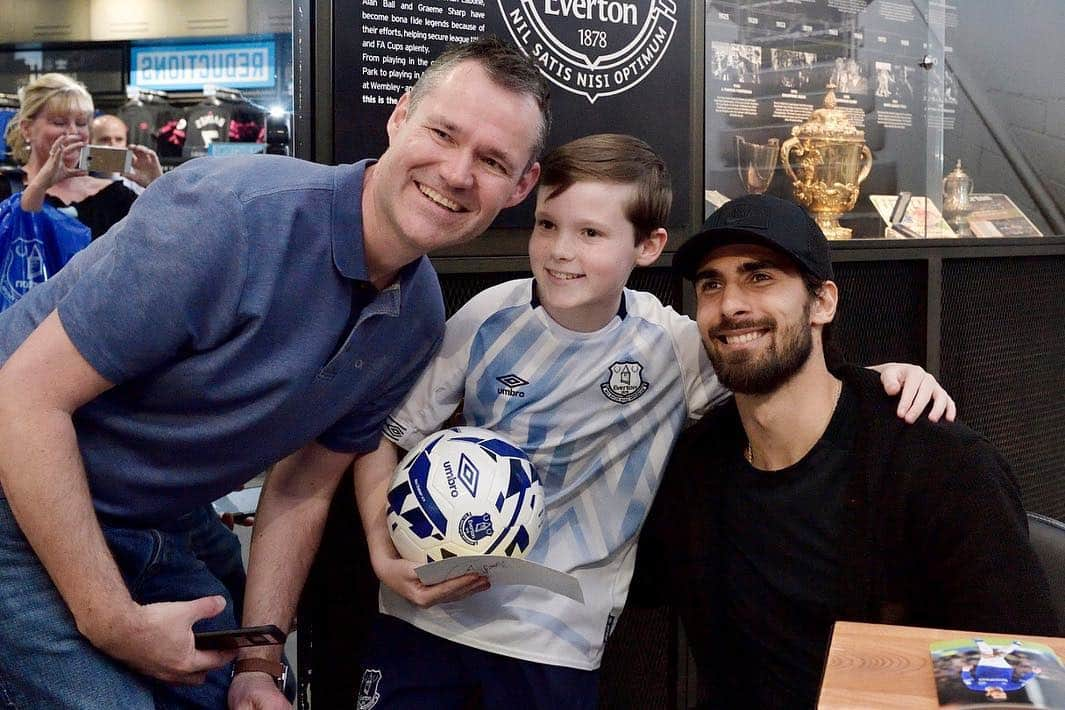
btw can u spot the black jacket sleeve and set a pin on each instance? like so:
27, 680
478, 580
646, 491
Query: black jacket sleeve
678, 556
977, 564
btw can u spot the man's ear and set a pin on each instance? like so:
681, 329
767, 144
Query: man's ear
399, 115
648, 251
525, 185
823, 310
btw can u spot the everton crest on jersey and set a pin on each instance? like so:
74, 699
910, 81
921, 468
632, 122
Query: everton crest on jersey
626, 382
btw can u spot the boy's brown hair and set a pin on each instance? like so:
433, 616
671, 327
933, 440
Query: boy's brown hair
614, 158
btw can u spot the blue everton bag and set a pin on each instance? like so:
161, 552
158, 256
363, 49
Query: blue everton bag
34, 245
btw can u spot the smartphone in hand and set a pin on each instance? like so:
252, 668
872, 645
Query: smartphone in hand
105, 159
229, 639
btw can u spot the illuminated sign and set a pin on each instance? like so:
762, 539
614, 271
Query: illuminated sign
239, 65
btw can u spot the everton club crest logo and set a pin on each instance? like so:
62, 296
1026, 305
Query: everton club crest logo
473, 528
625, 383
592, 48
23, 267
368, 694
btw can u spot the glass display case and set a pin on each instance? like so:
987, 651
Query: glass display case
849, 107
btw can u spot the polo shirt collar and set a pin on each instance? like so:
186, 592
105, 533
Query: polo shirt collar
349, 253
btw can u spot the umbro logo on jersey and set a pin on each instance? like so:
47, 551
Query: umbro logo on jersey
511, 383
625, 382
394, 430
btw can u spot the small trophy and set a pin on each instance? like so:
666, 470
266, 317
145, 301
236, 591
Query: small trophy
957, 188
756, 164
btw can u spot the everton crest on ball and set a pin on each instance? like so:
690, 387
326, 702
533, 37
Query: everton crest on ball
464, 491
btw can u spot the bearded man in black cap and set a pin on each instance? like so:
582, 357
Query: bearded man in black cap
806, 500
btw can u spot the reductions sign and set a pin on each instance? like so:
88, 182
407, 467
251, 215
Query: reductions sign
238, 65
615, 66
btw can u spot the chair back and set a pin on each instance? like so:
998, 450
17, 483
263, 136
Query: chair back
1048, 539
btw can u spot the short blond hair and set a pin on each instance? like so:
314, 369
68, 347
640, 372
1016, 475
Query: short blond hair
48, 90
505, 65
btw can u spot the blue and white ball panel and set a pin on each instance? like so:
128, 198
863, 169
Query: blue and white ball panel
464, 491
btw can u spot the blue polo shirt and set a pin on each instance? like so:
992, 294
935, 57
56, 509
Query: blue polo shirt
222, 309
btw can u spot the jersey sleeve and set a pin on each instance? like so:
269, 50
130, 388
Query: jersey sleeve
702, 390
166, 280
438, 392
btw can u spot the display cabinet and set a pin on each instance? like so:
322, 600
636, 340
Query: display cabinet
851, 108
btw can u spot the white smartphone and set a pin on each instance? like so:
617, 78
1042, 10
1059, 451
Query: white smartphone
105, 159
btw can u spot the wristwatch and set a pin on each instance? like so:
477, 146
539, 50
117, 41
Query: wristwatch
275, 669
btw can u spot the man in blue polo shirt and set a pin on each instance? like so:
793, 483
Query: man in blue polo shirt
247, 311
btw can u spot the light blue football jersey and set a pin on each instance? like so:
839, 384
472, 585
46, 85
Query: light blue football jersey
598, 414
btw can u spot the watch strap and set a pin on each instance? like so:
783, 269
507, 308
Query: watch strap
274, 669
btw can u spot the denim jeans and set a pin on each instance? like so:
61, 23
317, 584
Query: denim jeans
46, 663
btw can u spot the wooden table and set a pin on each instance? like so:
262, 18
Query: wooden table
879, 666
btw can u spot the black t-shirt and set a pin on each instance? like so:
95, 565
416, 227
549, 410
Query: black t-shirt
220, 122
101, 210
145, 119
140, 119
205, 124
780, 564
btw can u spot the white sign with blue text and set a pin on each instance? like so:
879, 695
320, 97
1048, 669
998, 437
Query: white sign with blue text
238, 65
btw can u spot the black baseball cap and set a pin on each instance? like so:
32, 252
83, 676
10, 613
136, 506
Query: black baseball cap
759, 219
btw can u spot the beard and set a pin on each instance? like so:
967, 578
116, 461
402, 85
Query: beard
767, 371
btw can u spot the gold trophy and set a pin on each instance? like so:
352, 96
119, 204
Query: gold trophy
756, 163
833, 162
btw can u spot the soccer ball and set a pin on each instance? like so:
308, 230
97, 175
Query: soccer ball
464, 491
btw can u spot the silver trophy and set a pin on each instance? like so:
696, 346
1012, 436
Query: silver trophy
756, 163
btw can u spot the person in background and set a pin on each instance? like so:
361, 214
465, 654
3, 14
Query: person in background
247, 311
805, 500
111, 131
46, 137
108, 130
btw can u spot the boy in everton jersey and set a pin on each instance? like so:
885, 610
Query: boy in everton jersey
594, 381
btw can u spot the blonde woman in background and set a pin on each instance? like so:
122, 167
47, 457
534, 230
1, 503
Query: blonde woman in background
46, 137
